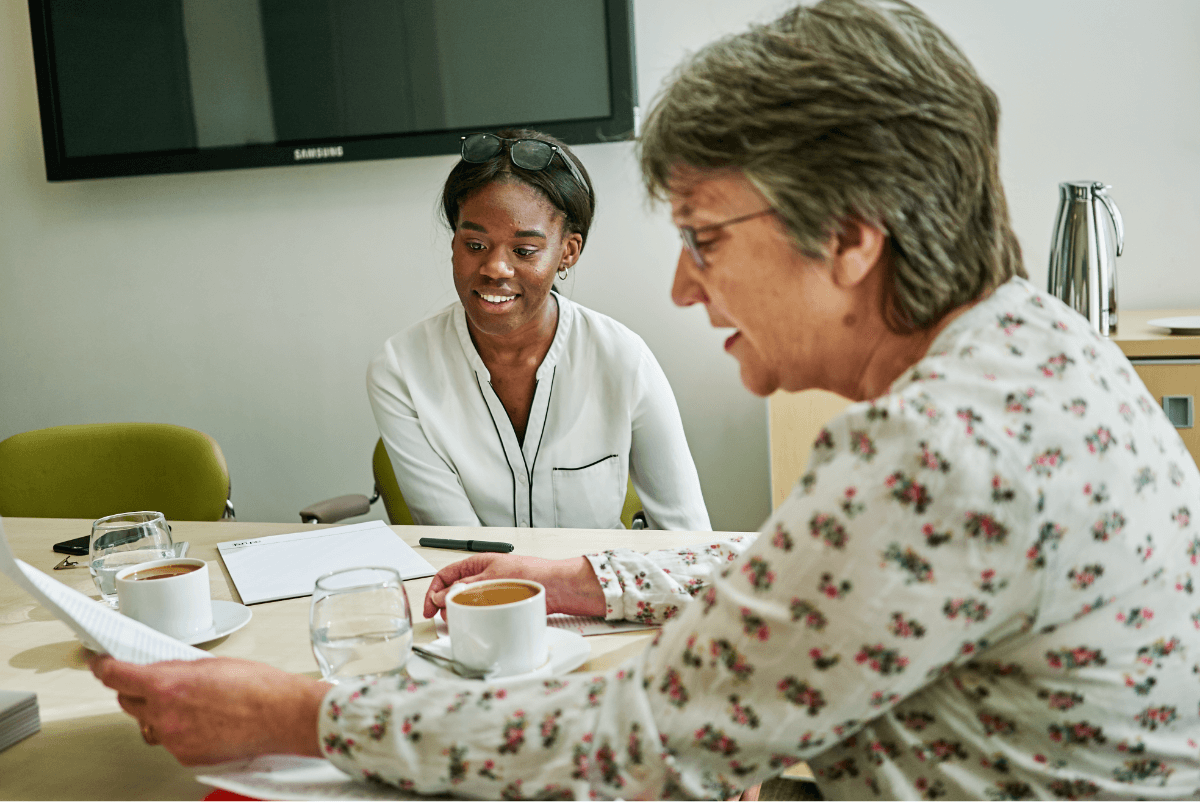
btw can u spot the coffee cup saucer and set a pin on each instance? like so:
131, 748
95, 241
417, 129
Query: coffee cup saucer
567, 652
228, 617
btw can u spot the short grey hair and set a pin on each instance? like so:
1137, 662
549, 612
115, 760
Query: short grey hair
852, 109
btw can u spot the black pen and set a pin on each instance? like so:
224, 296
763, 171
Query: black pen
466, 545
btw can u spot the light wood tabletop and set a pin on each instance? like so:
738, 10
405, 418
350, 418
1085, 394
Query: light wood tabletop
89, 749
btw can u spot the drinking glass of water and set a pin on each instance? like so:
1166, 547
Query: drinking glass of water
119, 541
360, 623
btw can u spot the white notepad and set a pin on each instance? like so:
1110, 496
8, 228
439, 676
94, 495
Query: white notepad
278, 567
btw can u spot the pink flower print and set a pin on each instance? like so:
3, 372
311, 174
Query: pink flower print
757, 570
715, 740
801, 694
645, 613
821, 661
824, 440
862, 446
933, 460
1152, 717
908, 491
1045, 463
1083, 578
1100, 440
808, 612
968, 416
1108, 527
549, 729
339, 744
1055, 365
881, 660
1182, 517
901, 627
915, 567
831, 590
933, 537
829, 529
981, 524
724, 652
754, 625
742, 714
781, 540
1078, 657
514, 733
672, 686
1009, 323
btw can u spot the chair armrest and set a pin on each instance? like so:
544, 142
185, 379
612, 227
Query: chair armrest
335, 509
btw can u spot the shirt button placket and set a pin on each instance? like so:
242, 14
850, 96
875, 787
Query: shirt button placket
523, 511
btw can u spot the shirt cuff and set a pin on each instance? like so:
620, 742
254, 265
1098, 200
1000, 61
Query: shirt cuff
610, 583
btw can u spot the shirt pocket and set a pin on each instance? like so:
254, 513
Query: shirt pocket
589, 497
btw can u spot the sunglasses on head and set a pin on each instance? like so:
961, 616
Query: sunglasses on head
528, 154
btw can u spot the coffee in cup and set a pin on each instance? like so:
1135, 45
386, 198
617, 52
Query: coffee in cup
498, 625
162, 571
171, 595
498, 593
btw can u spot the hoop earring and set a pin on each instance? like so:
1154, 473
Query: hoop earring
562, 273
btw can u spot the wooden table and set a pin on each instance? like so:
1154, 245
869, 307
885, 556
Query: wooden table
89, 749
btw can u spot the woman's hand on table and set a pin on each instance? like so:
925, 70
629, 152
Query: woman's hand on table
209, 711
571, 585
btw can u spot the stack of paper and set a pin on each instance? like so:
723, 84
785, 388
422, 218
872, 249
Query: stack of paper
18, 717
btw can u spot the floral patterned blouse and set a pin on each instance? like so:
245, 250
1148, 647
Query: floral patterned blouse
983, 587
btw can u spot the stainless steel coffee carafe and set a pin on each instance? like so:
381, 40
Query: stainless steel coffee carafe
1088, 238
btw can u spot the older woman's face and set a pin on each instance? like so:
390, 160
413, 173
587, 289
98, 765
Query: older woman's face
785, 309
508, 244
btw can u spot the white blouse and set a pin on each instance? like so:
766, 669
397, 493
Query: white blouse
602, 413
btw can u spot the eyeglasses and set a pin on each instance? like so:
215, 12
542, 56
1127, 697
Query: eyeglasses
688, 234
529, 154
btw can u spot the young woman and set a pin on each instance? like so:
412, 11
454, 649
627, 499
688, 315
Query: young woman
516, 406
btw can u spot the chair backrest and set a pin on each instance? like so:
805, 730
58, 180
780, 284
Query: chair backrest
397, 508
98, 469
632, 505
389, 489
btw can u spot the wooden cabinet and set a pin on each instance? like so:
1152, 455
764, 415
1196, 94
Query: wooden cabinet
1169, 364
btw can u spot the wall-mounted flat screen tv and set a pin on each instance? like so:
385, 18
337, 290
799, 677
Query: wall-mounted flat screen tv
163, 86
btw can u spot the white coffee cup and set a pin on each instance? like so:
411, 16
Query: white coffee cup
506, 638
179, 604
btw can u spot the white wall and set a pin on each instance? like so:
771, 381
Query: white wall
247, 303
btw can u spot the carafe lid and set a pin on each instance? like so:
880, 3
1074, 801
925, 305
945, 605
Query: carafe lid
1083, 189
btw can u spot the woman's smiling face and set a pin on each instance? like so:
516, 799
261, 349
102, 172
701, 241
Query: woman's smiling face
509, 242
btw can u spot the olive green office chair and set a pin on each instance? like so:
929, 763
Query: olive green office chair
386, 488
98, 469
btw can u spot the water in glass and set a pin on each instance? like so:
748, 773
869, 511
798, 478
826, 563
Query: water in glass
360, 624
122, 540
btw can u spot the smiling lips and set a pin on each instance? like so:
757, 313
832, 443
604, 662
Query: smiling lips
732, 339
495, 300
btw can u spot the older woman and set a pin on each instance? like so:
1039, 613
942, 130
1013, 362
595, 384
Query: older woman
981, 586
516, 406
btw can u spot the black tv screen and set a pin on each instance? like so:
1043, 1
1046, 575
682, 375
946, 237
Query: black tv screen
162, 86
